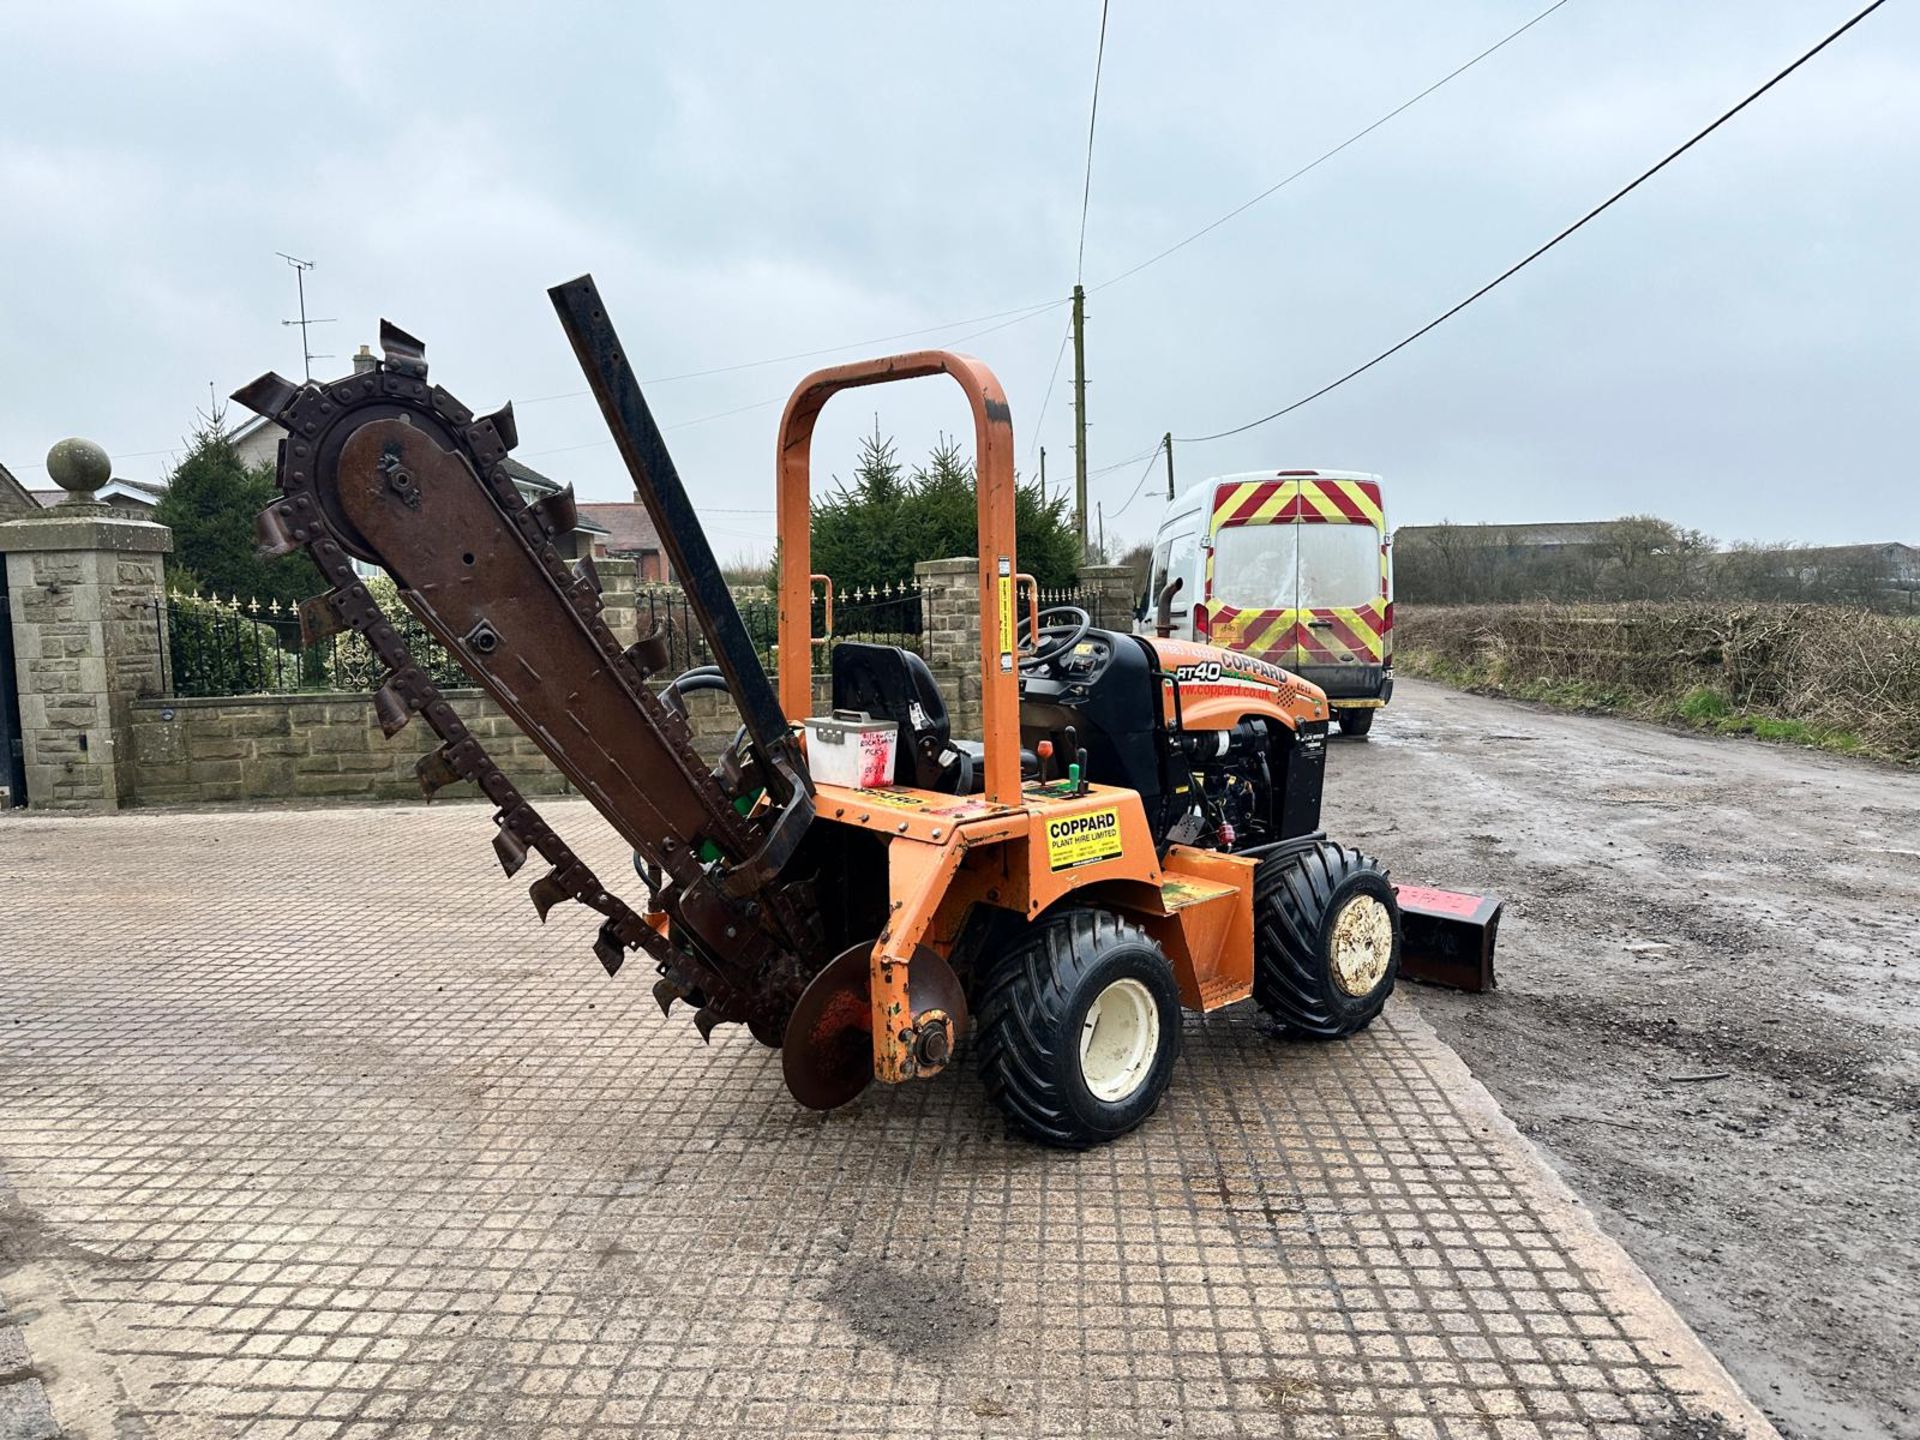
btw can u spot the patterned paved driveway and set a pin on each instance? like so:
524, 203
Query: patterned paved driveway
308, 1129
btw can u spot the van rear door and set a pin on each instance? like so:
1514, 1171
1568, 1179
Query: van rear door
1252, 580
1298, 576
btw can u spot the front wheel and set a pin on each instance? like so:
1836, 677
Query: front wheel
1326, 944
1079, 1026
1355, 722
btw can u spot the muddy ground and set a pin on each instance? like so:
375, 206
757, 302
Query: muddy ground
1708, 1014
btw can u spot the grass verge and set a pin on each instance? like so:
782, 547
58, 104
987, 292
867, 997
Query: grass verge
1841, 681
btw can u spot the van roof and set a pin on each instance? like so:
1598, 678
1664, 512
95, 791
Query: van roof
1195, 496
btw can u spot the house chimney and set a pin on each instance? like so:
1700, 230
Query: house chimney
365, 362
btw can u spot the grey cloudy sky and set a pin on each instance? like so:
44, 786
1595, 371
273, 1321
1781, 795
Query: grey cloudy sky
1734, 347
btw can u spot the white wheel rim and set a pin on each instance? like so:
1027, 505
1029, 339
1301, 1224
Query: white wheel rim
1119, 1040
1362, 945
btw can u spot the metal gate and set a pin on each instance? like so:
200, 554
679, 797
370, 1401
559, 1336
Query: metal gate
13, 758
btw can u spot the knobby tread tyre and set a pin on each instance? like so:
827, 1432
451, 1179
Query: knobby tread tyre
1297, 895
1031, 1005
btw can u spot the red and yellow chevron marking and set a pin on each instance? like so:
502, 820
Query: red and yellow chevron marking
1290, 637
1266, 502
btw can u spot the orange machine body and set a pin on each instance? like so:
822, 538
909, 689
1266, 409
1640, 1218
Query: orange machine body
1019, 845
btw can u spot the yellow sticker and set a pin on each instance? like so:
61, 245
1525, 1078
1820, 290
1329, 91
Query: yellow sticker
1006, 617
1083, 839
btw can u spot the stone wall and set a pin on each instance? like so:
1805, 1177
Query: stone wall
277, 747
273, 747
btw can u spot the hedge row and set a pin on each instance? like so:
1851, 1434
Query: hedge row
1843, 678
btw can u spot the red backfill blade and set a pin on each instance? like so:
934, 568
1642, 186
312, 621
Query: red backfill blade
1446, 936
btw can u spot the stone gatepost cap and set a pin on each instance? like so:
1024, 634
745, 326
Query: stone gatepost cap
79, 467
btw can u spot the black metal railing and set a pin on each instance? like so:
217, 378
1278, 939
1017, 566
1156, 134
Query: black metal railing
252, 647
214, 647
1107, 612
883, 614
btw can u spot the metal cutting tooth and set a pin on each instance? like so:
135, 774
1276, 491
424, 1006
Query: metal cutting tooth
405, 355
504, 426
512, 851
391, 709
649, 654
704, 1021
436, 771
547, 892
609, 949
585, 570
269, 395
665, 992
272, 536
558, 513
320, 619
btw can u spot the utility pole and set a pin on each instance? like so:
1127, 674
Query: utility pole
1080, 415
1101, 511
1168, 442
1043, 475
300, 268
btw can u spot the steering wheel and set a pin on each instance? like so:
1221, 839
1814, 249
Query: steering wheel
1058, 637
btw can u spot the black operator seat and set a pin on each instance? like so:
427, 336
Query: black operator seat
890, 683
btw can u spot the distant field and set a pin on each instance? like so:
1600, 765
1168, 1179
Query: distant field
1836, 678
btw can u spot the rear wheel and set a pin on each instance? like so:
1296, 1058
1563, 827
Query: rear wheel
1355, 722
1326, 947
1079, 1026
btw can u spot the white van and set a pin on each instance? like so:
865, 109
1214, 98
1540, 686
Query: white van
1290, 566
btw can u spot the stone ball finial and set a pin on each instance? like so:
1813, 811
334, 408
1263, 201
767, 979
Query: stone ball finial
79, 467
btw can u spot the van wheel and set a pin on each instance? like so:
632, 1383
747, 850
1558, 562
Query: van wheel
1326, 942
1079, 1026
1354, 722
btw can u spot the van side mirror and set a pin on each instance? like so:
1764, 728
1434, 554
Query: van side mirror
1163, 615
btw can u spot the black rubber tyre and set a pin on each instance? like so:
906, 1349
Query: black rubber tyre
1300, 899
1034, 1005
1355, 722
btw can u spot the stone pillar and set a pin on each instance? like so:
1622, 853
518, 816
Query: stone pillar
87, 635
1111, 587
950, 612
617, 586
950, 635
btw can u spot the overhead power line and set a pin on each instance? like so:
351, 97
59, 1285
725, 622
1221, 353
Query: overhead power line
1122, 464
1141, 483
1093, 115
1322, 159
1040, 419
1516, 268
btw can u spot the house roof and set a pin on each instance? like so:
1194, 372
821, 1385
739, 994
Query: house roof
13, 495
248, 427
140, 492
628, 527
1882, 550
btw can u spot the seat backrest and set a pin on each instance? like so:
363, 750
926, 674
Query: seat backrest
890, 683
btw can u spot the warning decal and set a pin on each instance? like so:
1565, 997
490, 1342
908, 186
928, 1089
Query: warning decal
1083, 839
1006, 614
